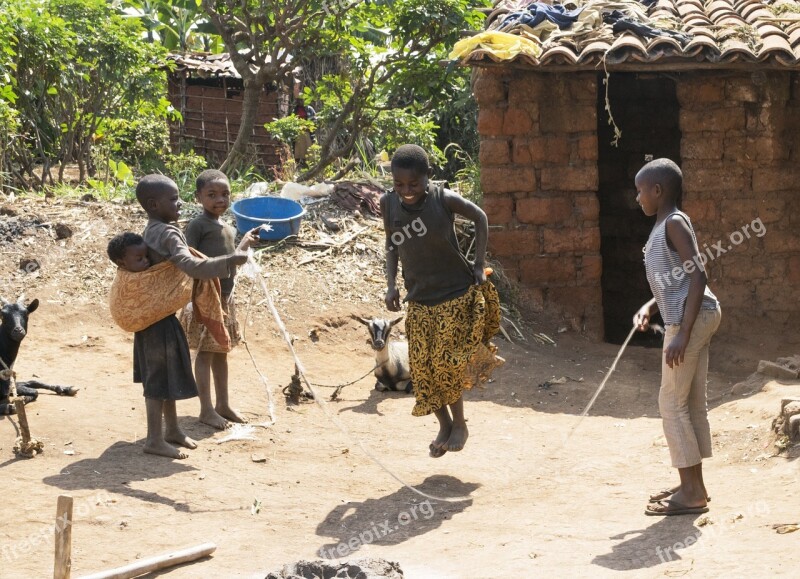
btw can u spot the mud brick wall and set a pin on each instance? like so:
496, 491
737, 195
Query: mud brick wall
539, 178
740, 154
212, 115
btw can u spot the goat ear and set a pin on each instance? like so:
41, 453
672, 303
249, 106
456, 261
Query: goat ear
33, 306
395, 321
360, 319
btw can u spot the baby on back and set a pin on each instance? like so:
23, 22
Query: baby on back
128, 251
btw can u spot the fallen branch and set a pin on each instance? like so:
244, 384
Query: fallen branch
314, 257
513, 325
155, 563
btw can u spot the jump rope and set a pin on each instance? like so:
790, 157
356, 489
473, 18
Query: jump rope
252, 270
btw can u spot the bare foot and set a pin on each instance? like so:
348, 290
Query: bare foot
213, 419
179, 437
443, 436
231, 414
162, 448
458, 438
435, 451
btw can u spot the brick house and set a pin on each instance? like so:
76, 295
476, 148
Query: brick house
723, 102
208, 92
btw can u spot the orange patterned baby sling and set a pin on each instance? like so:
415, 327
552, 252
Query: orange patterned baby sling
140, 299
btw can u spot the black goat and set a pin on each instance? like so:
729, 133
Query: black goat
12, 331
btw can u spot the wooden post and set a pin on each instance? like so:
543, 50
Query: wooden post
19, 405
156, 563
63, 560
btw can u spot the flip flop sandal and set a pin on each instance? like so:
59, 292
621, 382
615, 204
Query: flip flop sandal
435, 451
666, 493
671, 508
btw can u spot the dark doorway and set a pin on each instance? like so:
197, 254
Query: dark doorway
645, 108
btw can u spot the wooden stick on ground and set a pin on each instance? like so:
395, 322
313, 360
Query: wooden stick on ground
63, 558
22, 416
155, 563
25, 446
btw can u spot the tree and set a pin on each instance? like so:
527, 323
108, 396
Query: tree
260, 36
77, 62
180, 24
9, 120
387, 47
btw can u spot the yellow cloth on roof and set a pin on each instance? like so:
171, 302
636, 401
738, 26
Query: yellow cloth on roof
499, 45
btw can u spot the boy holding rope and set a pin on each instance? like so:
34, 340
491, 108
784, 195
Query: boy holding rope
691, 315
161, 360
453, 310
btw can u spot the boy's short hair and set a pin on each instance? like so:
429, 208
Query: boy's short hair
666, 173
151, 186
207, 177
120, 243
411, 157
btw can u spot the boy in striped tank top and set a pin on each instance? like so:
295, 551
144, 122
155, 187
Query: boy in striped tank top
691, 314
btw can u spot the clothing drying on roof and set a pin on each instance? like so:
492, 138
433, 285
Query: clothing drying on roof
621, 23
538, 12
496, 45
578, 25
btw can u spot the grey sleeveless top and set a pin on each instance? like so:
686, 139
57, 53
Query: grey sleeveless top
434, 270
667, 276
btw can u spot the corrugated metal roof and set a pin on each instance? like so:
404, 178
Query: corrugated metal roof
690, 32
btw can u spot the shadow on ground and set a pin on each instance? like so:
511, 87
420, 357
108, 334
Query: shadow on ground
654, 545
370, 404
394, 518
123, 463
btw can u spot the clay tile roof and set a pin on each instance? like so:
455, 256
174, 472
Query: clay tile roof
204, 65
699, 33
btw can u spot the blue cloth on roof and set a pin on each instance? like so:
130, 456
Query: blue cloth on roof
621, 23
537, 12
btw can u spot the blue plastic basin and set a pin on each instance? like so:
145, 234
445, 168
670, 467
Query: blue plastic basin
283, 215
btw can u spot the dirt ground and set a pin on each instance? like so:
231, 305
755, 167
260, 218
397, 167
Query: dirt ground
525, 500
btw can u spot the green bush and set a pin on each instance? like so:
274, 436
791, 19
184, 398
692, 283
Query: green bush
184, 168
400, 126
142, 142
76, 64
288, 129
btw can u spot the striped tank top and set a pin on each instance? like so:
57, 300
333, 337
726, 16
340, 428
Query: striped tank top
669, 277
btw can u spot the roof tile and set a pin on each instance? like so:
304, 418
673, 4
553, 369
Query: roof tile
775, 44
715, 31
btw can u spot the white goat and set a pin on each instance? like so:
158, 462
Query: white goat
391, 356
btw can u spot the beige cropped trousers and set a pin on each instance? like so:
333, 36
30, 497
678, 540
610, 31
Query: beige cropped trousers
682, 398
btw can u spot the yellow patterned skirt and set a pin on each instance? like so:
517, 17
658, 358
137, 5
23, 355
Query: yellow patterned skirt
449, 348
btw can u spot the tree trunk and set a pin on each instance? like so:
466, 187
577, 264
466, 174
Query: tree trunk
252, 97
